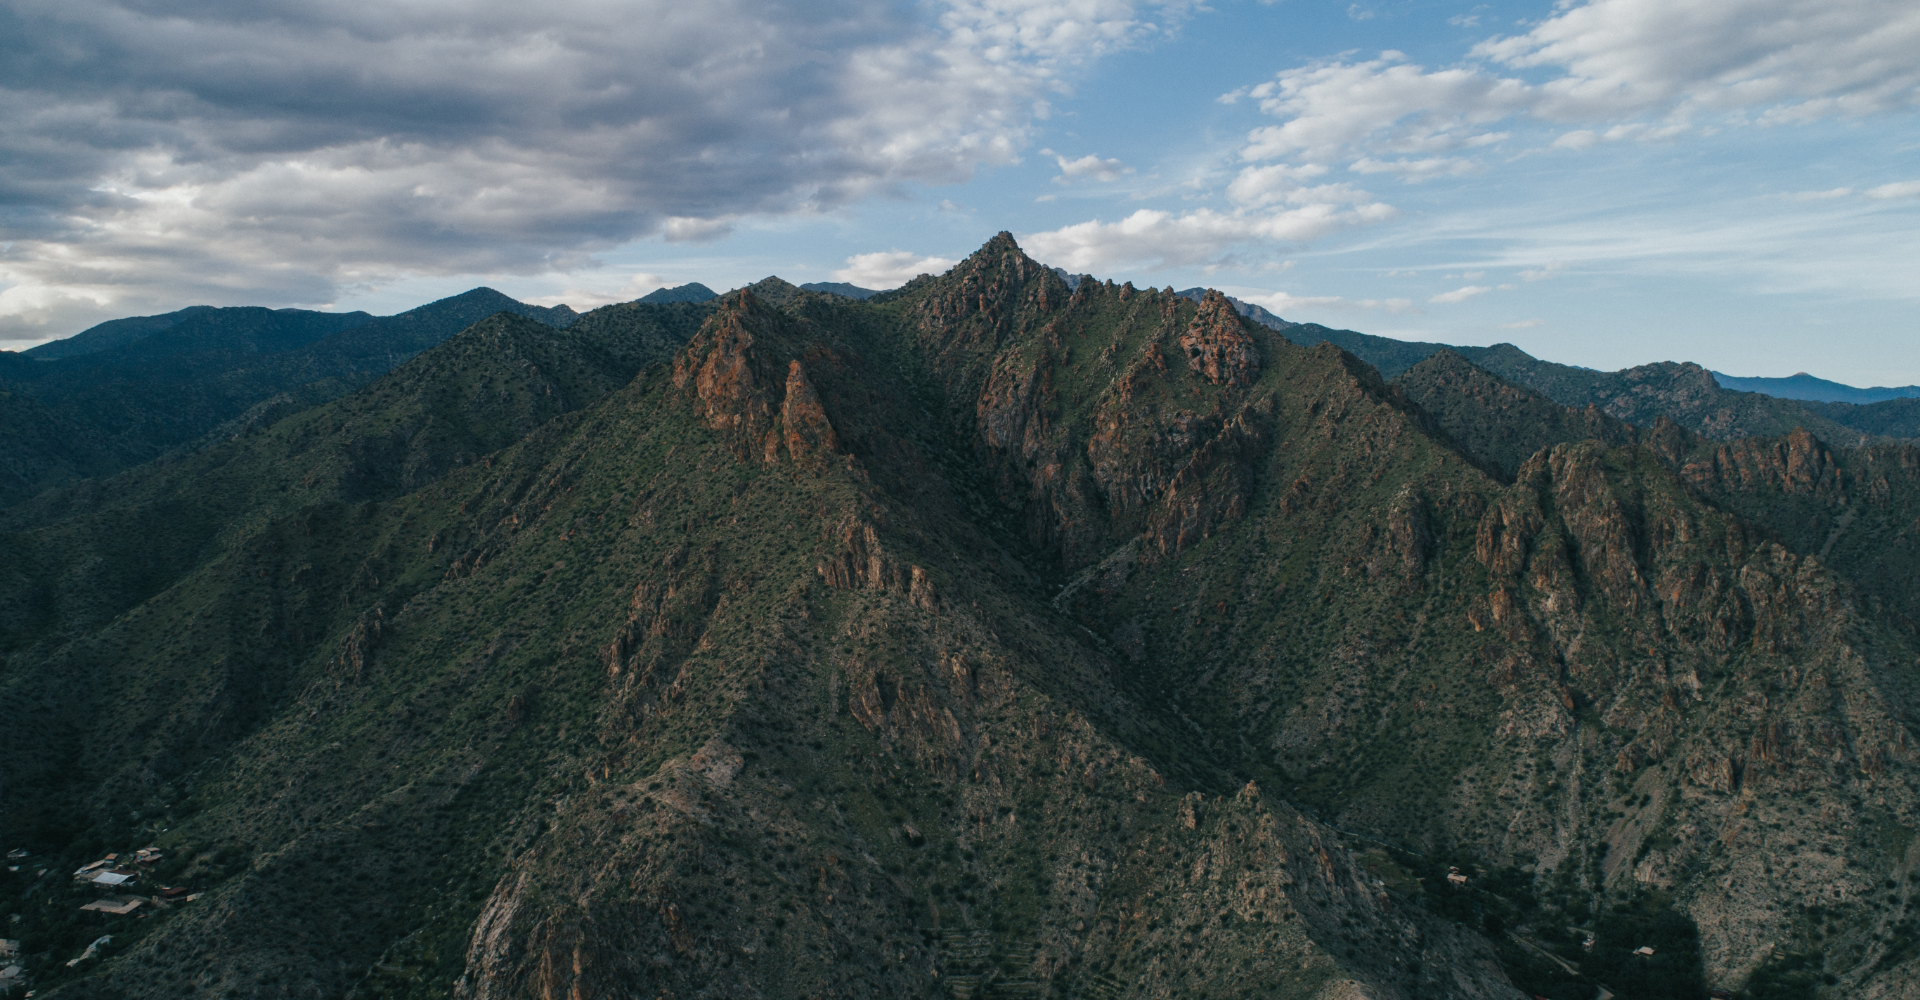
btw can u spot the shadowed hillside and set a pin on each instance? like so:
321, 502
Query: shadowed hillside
989, 637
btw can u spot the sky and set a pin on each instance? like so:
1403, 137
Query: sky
1600, 182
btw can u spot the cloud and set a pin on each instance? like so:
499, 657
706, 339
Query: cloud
1552, 269
226, 151
1154, 238
1283, 304
889, 269
1903, 189
1089, 167
1459, 295
1415, 171
1646, 68
1525, 324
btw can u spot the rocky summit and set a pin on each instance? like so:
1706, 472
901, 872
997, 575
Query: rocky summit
993, 636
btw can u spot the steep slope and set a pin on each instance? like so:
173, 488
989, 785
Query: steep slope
724, 684
81, 554
1893, 418
1497, 421
127, 404
1356, 616
990, 637
1686, 393
1850, 508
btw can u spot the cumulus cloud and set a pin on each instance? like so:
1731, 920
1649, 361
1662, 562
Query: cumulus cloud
1644, 69
1089, 167
889, 269
1158, 239
279, 151
1459, 294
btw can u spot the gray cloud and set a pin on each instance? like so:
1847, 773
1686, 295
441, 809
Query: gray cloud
281, 150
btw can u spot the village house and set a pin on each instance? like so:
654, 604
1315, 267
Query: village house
115, 904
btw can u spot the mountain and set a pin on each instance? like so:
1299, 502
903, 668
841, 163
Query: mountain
1892, 418
1501, 423
990, 637
1253, 312
91, 414
1682, 392
840, 288
112, 333
692, 291
1801, 385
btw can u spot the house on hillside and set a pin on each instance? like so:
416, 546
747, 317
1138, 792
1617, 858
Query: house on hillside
115, 904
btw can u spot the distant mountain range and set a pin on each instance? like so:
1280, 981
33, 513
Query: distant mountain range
841, 288
1801, 385
128, 391
692, 291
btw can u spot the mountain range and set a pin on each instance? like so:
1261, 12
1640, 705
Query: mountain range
993, 636
1801, 385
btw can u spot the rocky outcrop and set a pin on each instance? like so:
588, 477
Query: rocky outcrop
808, 432
1217, 345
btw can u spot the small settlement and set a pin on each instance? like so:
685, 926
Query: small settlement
112, 872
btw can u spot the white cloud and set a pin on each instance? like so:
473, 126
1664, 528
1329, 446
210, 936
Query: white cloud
890, 268
591, 296
1525, 324
1414, 171
1153, 238
223, 151
1553, 268
1089, 167
1287, 306
1615, 69
1903, 189
684, 229
1459, 294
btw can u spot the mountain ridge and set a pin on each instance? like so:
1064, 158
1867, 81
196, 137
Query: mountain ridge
997, 635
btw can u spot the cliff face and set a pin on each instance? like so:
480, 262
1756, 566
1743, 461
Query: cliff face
994, 638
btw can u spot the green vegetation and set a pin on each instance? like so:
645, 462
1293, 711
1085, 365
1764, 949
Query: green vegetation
984, 638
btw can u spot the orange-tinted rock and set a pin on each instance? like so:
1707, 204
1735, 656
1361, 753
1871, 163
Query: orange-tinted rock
1217, 344
808, 432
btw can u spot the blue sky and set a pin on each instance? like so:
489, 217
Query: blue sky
1734, 182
